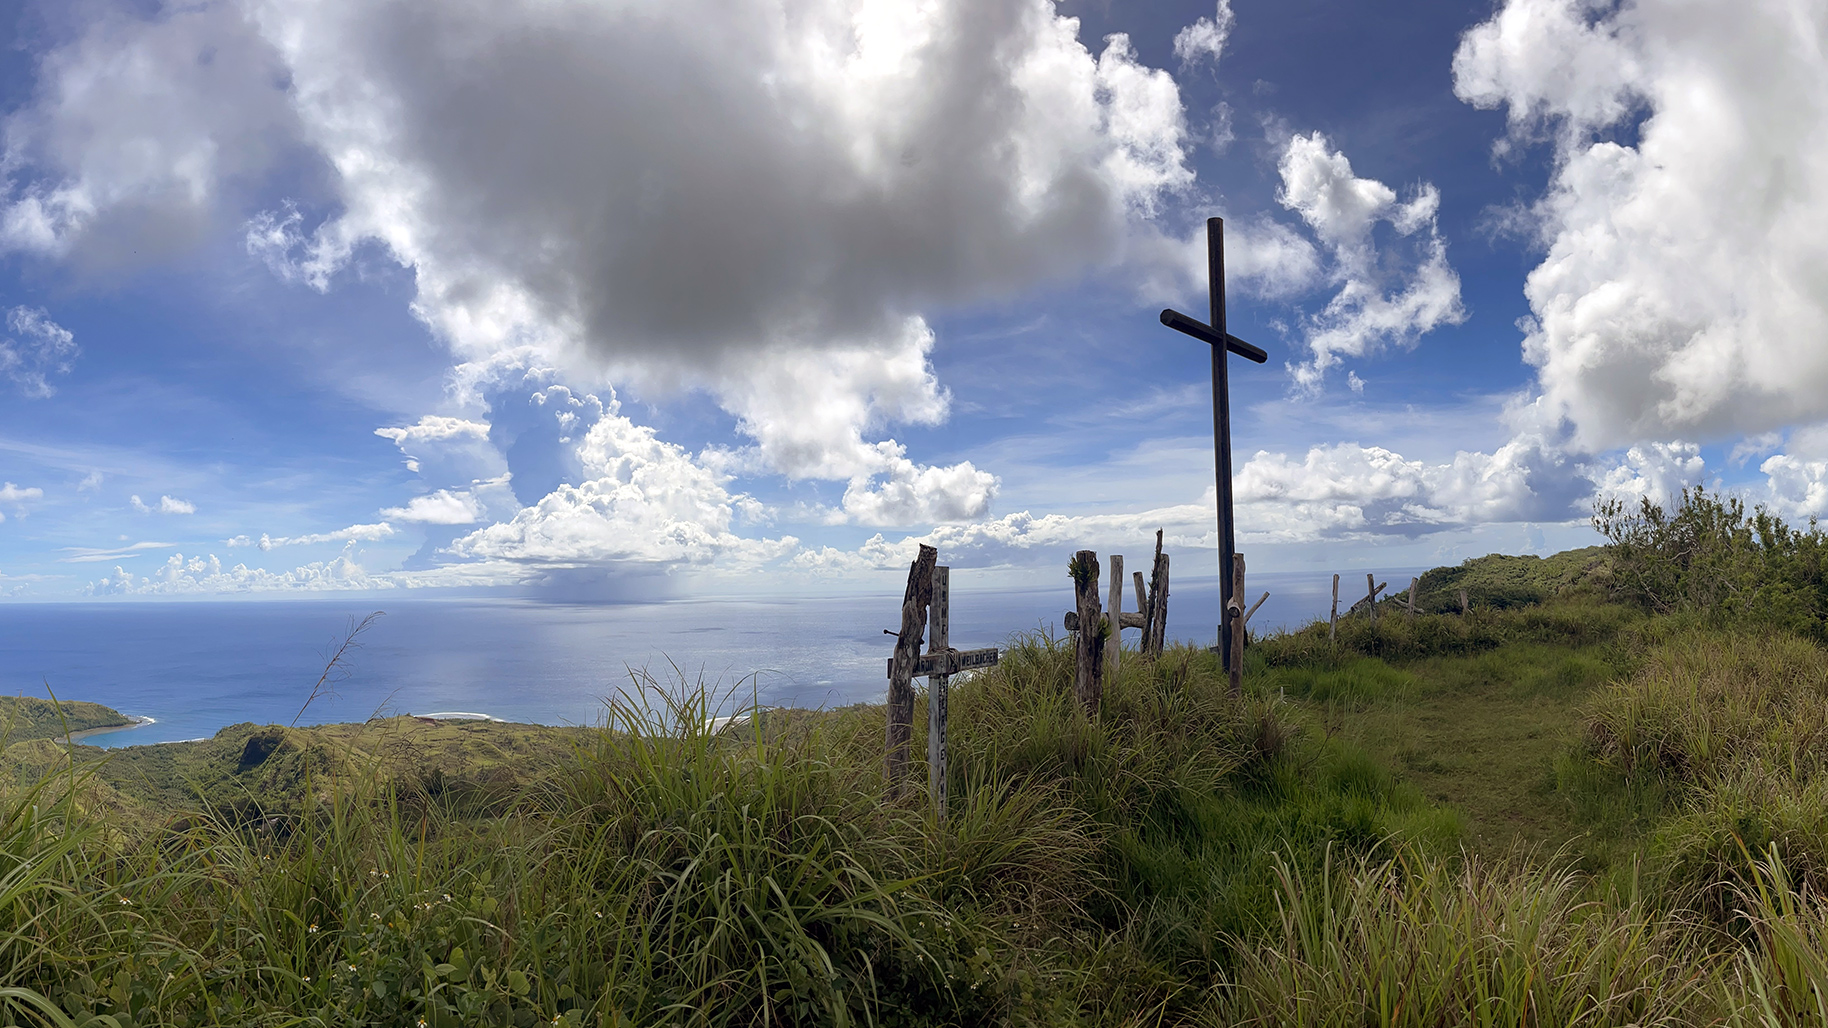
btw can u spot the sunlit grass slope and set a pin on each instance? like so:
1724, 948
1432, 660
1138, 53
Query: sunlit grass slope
1092, 870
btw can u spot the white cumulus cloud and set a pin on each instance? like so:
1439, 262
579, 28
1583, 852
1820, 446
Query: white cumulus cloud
1205, 38
17, 497
439, 508
809, 414
196, 575
354, 533
166, 505
1373, 306
1682, 293
634, 499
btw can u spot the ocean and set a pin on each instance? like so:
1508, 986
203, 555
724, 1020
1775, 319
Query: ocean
196, 667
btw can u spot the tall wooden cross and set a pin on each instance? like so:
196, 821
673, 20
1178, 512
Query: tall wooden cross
1222, 342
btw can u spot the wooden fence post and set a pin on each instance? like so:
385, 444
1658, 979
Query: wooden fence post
1413, 582
1333, 622
937, 687
1142, 610
1157, 632
900, 730
1463, 604
1115, 646
1371, 597
1088, 663
1234, 620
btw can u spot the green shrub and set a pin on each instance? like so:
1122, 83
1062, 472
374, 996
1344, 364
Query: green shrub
1710, 556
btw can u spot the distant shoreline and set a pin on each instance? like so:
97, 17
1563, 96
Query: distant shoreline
137, 722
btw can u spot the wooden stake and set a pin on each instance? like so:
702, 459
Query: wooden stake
1115, 646
1158, 600
900, 730
936, 692
1142, 605
1333, 622
1088, 663
1371, 596
1463, 603
1234, 620
1412, 584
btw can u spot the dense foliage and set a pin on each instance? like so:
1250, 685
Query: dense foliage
1710, 556
23, 718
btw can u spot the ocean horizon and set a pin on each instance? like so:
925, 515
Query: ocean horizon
196, 667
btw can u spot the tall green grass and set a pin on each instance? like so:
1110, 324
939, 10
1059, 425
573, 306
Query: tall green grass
1420, 943
1092, 870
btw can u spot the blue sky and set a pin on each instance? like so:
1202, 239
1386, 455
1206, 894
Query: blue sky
622, 300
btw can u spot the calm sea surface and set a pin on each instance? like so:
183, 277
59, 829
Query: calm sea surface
196, 667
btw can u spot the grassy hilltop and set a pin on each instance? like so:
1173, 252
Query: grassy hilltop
1597, 797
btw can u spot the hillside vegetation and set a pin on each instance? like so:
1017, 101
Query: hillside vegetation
1589, 800
24, 718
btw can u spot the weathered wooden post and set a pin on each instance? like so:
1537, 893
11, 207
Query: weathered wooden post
1371, 597
1088, 655
1234, 621
1142, 610
1333, 622
1463, 603
1115, 646
900, 730
937, 687
1413, 582
1156, 632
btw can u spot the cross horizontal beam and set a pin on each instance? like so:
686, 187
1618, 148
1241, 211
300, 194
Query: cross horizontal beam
951, 662
1200, 330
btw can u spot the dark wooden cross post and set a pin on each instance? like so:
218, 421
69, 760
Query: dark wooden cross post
1222, 342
